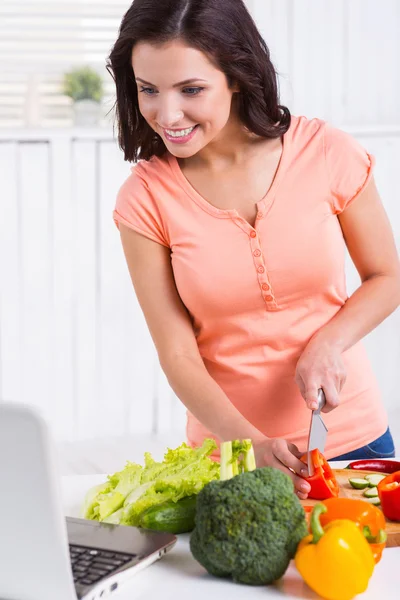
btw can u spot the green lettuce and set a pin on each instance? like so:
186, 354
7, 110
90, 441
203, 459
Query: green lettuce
183, 472
102, 501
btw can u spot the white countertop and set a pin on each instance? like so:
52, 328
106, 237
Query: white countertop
177, 576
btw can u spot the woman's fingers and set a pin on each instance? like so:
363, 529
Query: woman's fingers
331, 396
294, 466
285, 456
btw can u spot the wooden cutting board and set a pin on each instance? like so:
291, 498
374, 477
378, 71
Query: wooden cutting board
346, 491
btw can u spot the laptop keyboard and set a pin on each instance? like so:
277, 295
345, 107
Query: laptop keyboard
89, 565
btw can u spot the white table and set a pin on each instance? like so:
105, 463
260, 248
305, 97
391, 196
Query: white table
177, 576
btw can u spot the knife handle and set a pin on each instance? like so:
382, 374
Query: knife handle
321, 401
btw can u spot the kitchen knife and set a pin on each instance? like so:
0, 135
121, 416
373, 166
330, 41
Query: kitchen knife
318, 431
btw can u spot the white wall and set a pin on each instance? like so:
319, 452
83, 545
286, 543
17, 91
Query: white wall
73, 340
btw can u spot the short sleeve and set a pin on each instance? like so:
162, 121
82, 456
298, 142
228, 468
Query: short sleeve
137, 208
349, 167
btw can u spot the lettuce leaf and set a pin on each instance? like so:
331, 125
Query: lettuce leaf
184, 471
111, 495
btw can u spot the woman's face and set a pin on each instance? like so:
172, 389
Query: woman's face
182, 95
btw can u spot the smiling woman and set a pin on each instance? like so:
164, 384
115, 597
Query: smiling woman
205, 55
234, 227
182, 115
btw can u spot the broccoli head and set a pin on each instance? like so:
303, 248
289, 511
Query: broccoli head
248, 527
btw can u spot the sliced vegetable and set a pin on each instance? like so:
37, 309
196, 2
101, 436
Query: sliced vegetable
374, 500
378, 464
371, 492
358, 483
389, 494
323, 482
342, 554
374, 479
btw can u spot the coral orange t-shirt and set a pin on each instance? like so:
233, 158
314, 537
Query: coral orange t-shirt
257, 295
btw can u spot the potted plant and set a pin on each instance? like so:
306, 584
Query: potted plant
85, 86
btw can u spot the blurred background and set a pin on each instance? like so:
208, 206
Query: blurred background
73, 340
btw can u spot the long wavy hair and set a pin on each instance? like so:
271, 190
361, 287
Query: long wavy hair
226, 33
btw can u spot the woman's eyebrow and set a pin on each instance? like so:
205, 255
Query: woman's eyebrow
175, 84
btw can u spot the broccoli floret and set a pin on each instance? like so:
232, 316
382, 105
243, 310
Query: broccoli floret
248, 527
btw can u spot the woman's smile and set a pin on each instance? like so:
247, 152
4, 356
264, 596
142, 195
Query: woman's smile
180, 136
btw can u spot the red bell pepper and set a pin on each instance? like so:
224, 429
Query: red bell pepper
323, 482
389, 495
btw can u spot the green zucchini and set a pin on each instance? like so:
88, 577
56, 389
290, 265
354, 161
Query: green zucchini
374, 479
358, 483
374, 500
371, 492
172, 517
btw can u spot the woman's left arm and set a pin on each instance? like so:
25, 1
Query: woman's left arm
370, 242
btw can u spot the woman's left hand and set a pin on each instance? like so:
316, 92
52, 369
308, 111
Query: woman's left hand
320, 366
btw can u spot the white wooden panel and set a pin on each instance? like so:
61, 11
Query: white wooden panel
141, 365
62, 329
274, 21
85, 301
36, 261
113, 374
10, 272
372, 66
318, 55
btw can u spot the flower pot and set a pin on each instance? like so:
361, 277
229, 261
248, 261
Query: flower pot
87, 113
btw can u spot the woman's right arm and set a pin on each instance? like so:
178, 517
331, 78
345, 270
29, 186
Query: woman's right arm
169, 323
170, 327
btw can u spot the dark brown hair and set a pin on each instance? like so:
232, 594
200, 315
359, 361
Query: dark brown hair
222, 29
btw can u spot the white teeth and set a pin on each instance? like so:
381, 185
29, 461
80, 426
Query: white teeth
181, 133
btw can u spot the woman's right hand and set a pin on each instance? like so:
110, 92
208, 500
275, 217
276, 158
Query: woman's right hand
283, 455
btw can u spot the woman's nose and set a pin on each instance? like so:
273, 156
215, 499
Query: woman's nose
169, 115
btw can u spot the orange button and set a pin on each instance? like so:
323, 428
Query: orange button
261, 269
253, 234
265, 286
269, 298
257, 253
260, 215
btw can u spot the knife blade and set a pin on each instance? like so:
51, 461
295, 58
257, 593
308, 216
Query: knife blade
318, 431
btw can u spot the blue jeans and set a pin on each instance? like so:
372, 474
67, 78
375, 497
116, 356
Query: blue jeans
382, 447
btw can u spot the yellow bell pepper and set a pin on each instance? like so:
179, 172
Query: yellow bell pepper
335, 561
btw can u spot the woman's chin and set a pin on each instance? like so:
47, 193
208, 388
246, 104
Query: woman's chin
184, 150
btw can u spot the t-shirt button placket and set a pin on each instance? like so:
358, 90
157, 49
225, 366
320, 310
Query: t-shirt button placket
266, 288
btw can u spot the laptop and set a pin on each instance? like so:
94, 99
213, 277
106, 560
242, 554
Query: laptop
43, 555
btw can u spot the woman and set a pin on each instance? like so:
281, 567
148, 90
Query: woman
234, 228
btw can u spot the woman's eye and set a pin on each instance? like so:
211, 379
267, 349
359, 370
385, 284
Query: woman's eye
148, 91
193, 91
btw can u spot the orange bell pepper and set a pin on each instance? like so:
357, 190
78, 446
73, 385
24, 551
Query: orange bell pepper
335, 560
323, 482
389, 495
368, 518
